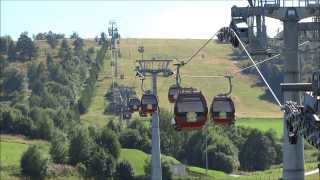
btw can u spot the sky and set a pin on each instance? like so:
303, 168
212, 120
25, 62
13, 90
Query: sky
135, 19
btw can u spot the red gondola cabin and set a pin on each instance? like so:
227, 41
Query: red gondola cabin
222, 110
190, 111
149, 104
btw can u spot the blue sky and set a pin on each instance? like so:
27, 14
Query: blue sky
135, 19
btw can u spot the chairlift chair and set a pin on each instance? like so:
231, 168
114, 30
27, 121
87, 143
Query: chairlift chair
149, 103
134, 104
190, 110
222, 110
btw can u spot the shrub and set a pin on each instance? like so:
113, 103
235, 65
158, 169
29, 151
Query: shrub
101, 164
221, 162
80, 146
109, 141
130, 138
59, 149
257, 153
33, 163
124, 171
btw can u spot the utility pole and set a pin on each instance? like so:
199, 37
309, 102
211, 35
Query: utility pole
293, 157
155, 68
141, 51
113, 32
206, 139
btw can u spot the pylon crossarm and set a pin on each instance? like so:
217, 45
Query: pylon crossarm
149, 67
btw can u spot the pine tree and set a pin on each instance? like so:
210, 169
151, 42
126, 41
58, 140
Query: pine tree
25, 47
12, 52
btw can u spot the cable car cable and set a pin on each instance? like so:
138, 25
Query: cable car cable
248, 54
257, 68
248, 67
268, 59
203, 46
182, 63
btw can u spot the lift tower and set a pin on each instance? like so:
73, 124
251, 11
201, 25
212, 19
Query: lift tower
114, 45
155, 68
293, 159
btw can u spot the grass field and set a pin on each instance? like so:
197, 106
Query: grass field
271, 174
12, 148
211, 173
263, 124
138, 158
95, 114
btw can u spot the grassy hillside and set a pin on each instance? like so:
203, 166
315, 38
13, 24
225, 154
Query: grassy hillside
12, 148
138, 158
263, 124
213, 60
95, 114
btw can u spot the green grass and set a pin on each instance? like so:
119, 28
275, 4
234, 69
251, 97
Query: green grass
11, 153
313, 177
95, 114
263, 124
138, 158
12, 148
272, 174
211, 173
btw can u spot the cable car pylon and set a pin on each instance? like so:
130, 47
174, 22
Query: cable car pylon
293, 158
153, 68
